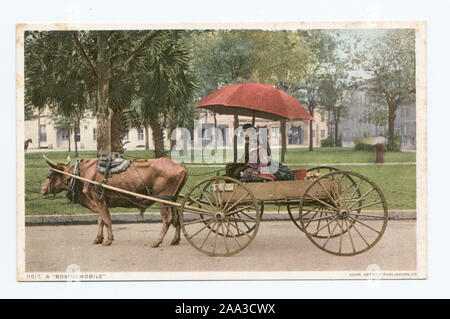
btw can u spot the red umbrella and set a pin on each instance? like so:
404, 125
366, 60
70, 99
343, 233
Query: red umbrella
254, 100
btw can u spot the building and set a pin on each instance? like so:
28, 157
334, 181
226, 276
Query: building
45, 134
297, 131
353, 127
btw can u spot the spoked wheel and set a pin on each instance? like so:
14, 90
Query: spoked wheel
317, 210
245, 212
322, 169
220, 216
343, 213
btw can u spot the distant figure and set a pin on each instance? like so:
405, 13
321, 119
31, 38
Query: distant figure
27, 142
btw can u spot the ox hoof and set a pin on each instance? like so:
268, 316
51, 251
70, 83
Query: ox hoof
155, 244
175, 242
107, 243
98, 240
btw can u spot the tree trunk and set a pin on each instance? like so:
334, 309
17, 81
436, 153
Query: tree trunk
336, 134
105, 112
117, 132
235, 126
311, 141
336, 126
283, 140
311, 136
391, 135
215, 133
103, 126
158, 137
76, 128
68, 132
147, 144
39, 128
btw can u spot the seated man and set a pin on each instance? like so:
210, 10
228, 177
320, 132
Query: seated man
257, 157
259, 162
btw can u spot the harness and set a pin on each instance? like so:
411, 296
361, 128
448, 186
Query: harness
51, 175
71, 193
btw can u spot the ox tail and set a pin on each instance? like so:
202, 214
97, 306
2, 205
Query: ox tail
176, 211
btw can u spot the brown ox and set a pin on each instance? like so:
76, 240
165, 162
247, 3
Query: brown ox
164, 177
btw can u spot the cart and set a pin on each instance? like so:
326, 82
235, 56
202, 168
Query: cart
342, 213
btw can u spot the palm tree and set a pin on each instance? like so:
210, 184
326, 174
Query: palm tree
166, 88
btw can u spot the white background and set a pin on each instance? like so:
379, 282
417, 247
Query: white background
436, 13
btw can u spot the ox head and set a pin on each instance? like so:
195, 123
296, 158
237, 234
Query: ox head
54, 181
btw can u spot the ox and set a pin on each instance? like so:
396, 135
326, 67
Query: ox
162, 176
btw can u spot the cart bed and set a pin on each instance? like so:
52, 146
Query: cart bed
277, 190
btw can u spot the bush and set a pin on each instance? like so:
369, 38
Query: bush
394, 145
339, 141
329, 142
360, 146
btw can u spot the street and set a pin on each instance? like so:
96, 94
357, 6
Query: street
278, 246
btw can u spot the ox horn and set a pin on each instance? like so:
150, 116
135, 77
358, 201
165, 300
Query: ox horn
68, 160
49, 162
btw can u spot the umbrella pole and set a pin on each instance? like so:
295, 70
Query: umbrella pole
236, 125
283, 140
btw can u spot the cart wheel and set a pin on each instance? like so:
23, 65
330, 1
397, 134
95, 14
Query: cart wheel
220, 216
318, 210
246, 230
338, 219
322, 169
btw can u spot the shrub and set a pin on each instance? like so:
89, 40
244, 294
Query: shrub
329, 142
394, 145
339, 141
360, 146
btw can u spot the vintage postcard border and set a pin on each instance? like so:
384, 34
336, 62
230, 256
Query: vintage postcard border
421, 157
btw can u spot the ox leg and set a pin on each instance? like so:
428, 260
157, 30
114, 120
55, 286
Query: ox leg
108, 222
99, 238
90, 204
166, 220
103, 212
176, 238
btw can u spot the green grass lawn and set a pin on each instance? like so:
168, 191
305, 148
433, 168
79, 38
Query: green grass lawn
398, 182
343, 155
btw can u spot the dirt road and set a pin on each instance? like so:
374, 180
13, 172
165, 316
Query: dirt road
278, 246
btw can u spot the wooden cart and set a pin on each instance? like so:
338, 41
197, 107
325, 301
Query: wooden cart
342, 213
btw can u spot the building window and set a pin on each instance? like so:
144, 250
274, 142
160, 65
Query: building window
295, 135
94, 134
206, 134
314, 133
322, 133
224, 130
140, 134
65, 134
125, 136
274, 133
77, 134
43, 133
